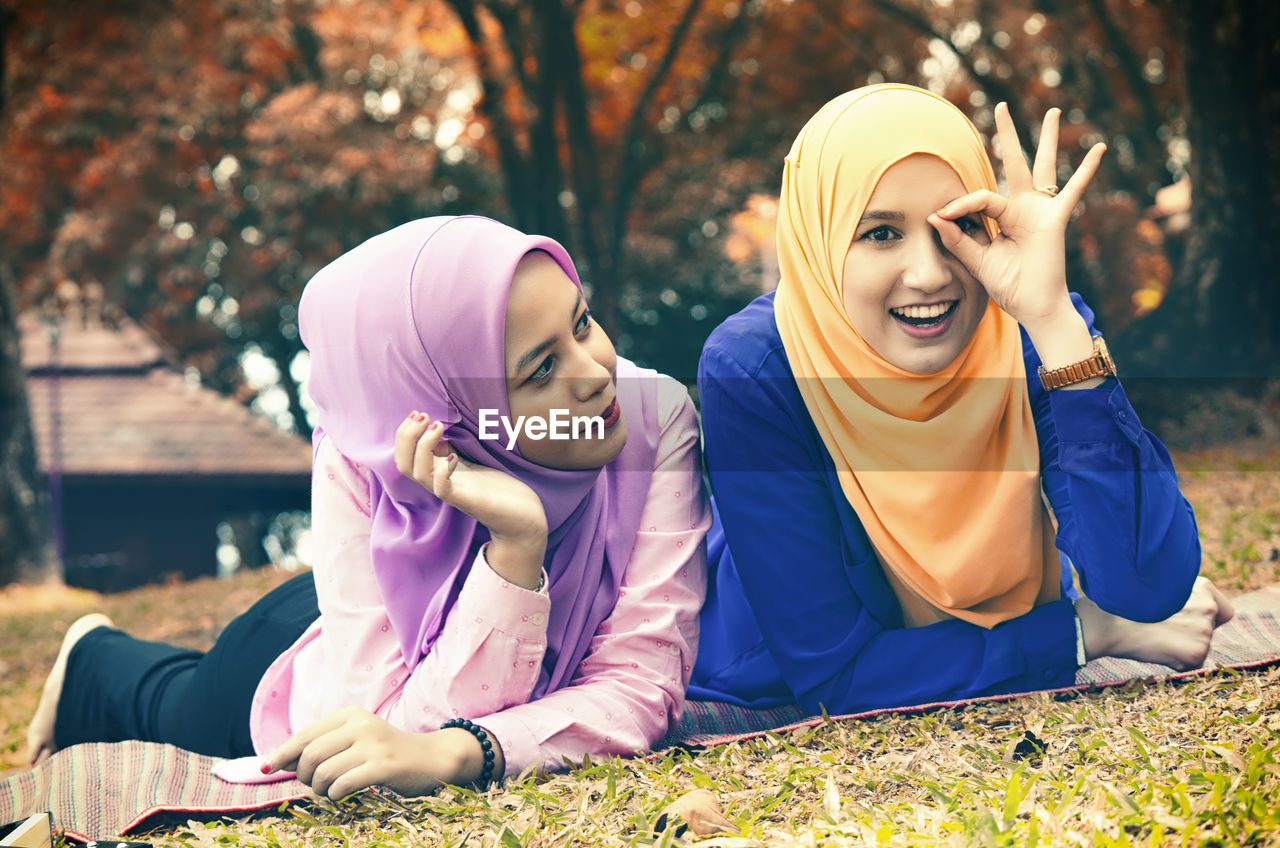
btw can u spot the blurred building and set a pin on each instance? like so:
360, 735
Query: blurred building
143, 465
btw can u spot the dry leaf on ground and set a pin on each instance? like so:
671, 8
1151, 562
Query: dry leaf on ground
701, 811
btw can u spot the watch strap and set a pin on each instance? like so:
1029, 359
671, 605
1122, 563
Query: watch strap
1097, 365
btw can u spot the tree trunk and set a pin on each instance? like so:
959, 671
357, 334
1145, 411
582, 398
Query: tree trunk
1221, 316
26, 549
561, 60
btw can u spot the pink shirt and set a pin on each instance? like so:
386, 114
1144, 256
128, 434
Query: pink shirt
628, 691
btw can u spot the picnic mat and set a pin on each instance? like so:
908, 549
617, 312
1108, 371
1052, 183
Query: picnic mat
104, 790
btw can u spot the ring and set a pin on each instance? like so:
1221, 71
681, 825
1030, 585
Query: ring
1051, 190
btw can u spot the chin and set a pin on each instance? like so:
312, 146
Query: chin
926, 362
591, 454
614, 442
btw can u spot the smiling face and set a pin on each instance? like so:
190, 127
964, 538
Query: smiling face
908, 298
558, 358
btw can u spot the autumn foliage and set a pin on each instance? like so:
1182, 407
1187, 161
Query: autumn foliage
201, 160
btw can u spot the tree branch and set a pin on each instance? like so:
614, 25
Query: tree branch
998, 90
633, 172
631, 168
513, 164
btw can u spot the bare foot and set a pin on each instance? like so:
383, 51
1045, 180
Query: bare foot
40, 734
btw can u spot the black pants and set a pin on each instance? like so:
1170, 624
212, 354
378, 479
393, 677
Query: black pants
118, 687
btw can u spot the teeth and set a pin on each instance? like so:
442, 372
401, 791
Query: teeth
934, 310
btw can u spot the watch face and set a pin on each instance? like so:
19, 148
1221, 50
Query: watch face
1101, 347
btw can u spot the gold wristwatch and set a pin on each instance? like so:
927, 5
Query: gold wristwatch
1098, 365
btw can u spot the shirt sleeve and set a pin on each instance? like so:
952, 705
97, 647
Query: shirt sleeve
356, 658
811, 580
629, 690
1122, 519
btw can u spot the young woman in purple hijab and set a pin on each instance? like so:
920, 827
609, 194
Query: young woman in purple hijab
507, 521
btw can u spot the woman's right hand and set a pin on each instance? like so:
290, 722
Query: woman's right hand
510, 510
1181, 641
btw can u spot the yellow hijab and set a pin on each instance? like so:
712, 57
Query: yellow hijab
942, 469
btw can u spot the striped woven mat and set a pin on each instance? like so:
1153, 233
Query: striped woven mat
104, 790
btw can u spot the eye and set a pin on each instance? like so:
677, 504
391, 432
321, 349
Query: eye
969, 225
543, 371
583, 324
882, 233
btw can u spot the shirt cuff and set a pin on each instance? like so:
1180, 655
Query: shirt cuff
519, 747
503, 605
1102, 414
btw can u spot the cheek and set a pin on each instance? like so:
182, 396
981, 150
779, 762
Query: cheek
602, 351
977, 294
865, 309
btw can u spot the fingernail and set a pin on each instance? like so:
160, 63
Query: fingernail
943, 210
419, 417
265, 767
453, 457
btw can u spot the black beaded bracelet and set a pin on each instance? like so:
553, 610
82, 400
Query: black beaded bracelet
477, 731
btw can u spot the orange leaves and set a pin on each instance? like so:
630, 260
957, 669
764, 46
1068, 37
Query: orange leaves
50, 97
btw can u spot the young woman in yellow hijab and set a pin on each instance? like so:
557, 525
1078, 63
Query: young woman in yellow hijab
917, 435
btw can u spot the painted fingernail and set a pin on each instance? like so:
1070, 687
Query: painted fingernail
265, 767
419, 417
453, 457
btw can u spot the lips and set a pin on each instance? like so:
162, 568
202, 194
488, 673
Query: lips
925, 321
611, 413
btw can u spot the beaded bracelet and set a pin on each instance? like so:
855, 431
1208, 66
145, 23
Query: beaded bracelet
486, 775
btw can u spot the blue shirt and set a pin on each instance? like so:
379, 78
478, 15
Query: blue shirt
798, 609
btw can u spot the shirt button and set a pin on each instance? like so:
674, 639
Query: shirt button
1123, 416
1048, 674
537, 618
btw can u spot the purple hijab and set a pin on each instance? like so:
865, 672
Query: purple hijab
414, 319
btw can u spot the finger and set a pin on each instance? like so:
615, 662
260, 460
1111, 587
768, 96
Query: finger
988, 203
407, 435
424, 457
1045, 169
1074, 189
332, 775
353, 779
286, 756
1016, 172
961, 246
316, 762
442, 475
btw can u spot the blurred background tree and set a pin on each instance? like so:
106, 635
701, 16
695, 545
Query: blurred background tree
202, 160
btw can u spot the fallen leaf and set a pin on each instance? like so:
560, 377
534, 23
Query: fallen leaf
831, 799
701, 811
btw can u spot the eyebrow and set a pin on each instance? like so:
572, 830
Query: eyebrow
880, 215
539, 349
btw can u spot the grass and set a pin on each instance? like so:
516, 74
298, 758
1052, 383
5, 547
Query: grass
1147, 763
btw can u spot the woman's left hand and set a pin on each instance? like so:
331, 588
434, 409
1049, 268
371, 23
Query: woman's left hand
353, 749
1024, 269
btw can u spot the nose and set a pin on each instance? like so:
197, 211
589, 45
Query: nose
591, 372
928, 265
